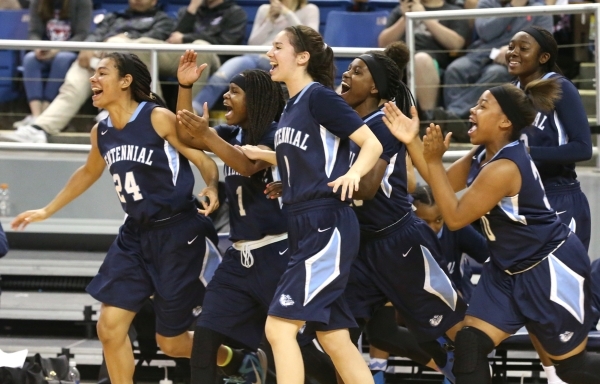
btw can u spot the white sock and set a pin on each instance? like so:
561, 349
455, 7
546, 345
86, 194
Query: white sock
377, 364
552, 376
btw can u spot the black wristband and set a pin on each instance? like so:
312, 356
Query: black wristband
186, 86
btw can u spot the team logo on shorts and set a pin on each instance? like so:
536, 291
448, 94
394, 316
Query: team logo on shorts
564, 337
436, 320
286, 300
196, 311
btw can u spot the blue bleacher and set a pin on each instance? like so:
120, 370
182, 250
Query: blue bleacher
353, 29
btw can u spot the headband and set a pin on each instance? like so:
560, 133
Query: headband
539, 37
509, 107
299, 37
378, 74
240, 81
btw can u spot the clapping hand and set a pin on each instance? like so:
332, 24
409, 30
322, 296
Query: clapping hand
188, 72
403, 128
434, 144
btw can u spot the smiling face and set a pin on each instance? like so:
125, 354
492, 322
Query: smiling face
107, 85
357, 83
485, 118
524, 58
283, 58
235, 104
431, 215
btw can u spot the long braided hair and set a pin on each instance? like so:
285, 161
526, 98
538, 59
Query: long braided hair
393, 60
129, 63
264, 103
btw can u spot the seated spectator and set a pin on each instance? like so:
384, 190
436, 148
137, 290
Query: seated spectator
360, 6
467, 77
141, 19
54, 21
270, 19
434, 40
202, 22
10, 4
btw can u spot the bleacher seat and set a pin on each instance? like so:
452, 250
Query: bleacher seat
353, 29
14, 25
114, 5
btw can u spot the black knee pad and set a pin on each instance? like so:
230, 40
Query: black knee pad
205, 347
583, 368
472, 348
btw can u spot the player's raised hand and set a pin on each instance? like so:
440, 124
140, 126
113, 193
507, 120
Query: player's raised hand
194, 125
188, 72
434, 144
348, 184
403, 128
23, 219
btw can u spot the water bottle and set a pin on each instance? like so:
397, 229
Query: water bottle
4, 201
73, 374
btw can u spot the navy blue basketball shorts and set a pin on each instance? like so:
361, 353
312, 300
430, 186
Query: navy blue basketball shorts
237, 298
323, 240
552, 299
166, 261
401, 264
573, 209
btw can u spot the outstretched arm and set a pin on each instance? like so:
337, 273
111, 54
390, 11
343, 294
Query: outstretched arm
254, 152
232, 156
80, 181
163, 122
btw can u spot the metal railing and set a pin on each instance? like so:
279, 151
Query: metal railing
412, 17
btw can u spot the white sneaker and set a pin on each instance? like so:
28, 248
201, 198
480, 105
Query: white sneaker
25, 134
28, 120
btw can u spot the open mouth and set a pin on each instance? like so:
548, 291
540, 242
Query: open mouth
473, 127
228, 111
273, 67
345, 87
96, 92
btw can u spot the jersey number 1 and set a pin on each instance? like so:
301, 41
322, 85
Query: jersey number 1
131, 187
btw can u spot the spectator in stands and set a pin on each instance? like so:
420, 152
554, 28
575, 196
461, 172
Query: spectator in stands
468, 76
9, 4
360, 6
434, 41
141, 19
202, 22
54, 21
559, 138
270, 19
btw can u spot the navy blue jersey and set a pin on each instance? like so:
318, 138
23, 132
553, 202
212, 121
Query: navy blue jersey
251, 215
153, 181
312, 144
521, 229
561, 137
455, 244
390, 203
